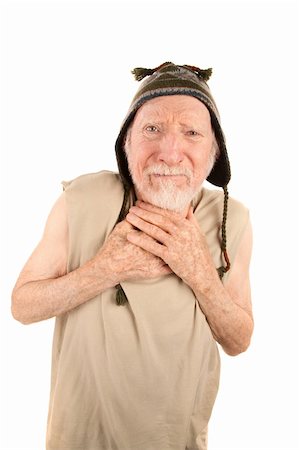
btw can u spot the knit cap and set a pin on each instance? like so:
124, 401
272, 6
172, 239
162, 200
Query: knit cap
171, 79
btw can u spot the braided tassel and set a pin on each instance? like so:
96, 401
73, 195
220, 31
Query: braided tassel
204, 74
121, 298
142, 72
222, 270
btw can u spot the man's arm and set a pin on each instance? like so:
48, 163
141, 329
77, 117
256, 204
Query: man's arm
227, 305
44, 289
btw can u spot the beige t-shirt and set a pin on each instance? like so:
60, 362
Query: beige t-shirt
143, 376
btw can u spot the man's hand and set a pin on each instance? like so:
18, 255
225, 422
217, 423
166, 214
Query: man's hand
175, 239
180, 243
124, 260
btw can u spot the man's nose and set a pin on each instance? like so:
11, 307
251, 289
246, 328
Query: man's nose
170, 149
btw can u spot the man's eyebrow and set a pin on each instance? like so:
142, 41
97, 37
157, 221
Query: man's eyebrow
192, 123
152, 120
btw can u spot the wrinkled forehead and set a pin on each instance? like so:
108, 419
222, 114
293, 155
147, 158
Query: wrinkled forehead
174, 107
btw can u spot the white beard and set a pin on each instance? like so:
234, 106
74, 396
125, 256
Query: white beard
167, 194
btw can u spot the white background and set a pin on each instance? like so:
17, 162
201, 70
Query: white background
65, 88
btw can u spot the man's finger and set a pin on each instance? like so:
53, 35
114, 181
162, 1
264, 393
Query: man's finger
161, 221
190, 213
161, 211
149, 228
147, 243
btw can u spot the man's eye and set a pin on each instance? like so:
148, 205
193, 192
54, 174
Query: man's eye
192, 133
151, 128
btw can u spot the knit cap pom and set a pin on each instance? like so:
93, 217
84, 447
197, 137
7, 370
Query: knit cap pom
204, 74
142, 72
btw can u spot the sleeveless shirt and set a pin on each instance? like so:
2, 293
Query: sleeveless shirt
143, 376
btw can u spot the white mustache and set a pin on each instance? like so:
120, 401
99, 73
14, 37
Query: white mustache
161, 169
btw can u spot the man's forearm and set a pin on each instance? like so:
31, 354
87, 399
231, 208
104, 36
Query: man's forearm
39, 300
231, 325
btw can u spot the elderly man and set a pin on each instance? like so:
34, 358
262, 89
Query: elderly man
144, 270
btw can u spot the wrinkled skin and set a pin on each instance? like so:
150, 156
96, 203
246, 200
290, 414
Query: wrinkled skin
128, 261
176, 239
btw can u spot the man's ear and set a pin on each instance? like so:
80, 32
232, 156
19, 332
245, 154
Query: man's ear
127, 139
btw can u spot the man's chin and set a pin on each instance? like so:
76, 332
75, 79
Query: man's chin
172, 201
